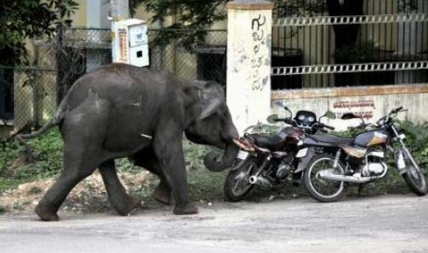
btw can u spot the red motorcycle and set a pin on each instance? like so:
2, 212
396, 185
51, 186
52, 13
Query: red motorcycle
269, 159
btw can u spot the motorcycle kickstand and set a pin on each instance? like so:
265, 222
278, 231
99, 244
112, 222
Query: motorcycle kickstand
360, 189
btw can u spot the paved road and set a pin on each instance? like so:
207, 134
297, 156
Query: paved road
397, 223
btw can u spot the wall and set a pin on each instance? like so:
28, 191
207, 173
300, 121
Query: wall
371, 102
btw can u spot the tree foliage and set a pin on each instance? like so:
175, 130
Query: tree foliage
22, 19
190, 13
192, 17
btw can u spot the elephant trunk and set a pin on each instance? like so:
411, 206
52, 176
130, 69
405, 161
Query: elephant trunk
219, 162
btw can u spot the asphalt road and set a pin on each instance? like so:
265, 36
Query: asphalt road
397, 223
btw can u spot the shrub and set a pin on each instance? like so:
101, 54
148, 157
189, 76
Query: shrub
43, 159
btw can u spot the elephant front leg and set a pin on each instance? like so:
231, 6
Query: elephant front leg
117, 195
172, 163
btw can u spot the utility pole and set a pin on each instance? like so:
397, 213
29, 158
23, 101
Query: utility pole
119, 10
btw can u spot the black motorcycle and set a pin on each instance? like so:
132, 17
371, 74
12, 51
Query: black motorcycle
332, 161
267, 159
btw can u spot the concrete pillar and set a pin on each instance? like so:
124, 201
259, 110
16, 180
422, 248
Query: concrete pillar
249, 42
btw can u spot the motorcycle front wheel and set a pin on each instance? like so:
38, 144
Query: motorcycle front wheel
414, 176
321, 189
237, 183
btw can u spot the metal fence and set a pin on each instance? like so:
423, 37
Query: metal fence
385, 42
29, 95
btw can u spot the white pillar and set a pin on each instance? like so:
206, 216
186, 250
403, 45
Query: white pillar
249, 42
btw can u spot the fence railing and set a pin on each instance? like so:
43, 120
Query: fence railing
384, 45
29, 95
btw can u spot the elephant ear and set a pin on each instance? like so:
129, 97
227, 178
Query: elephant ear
211, 96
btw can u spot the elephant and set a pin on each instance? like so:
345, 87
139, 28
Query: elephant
121, 110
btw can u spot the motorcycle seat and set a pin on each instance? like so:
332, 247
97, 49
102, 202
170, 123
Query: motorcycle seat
264, 141
333, 139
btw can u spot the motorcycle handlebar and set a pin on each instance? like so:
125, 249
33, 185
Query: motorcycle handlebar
322, 125
286, 120
396, 110
329, 127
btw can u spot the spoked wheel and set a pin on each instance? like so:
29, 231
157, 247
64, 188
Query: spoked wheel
320, 189
237, 183
414, 176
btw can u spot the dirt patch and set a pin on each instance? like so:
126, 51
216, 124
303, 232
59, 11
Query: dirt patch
88, 196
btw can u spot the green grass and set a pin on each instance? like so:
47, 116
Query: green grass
44, 160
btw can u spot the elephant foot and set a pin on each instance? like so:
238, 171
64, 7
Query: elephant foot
46, 215
134, 204
162, 195
187, 209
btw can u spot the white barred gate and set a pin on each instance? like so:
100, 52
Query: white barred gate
386, 66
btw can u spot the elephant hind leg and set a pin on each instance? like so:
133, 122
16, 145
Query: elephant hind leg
162, 192
72, 174
147, 159
117, 195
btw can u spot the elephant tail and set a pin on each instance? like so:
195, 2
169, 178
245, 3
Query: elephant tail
43, 129
55, 120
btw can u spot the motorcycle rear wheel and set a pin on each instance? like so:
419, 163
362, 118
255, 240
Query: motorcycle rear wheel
414, 177
321, 189
237, 183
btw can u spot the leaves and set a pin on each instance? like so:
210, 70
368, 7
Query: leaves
24, 19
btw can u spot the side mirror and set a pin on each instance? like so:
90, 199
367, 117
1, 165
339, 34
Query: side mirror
271, 118
329, 114
349, 116
286, 108
279, 103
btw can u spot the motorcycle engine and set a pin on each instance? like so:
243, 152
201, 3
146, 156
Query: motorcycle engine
375, 164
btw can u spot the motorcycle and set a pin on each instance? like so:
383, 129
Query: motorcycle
332, 162
268, 159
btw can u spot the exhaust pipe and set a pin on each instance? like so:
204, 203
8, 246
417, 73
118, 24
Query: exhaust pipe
259, 179
329, 175
252, 180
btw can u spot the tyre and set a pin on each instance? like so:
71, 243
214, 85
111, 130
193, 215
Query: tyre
237, 183
414, 176
321, 189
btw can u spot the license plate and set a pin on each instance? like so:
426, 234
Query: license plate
242, 155
302, 152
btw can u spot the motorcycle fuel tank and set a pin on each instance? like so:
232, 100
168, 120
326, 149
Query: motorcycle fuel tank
371, 138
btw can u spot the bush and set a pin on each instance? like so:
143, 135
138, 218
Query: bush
43, 159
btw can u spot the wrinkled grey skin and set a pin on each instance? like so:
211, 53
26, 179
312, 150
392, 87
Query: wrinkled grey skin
125, 111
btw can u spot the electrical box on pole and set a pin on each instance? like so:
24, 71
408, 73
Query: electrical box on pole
130, 42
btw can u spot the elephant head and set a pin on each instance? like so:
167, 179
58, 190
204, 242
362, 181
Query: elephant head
210, 123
